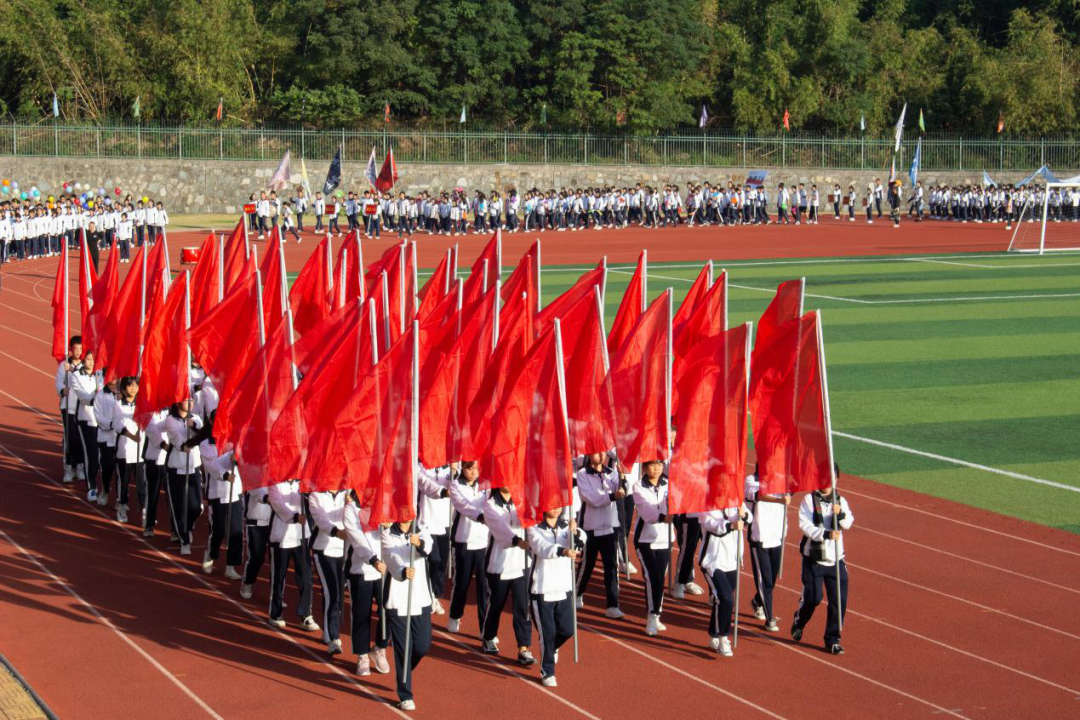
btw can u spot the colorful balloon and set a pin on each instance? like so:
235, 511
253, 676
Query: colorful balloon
5, 182
117, 190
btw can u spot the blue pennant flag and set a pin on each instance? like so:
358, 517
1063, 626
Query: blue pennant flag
913, 173
333, 177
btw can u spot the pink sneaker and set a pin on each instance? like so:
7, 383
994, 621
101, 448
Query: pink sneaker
363, 665
378, 657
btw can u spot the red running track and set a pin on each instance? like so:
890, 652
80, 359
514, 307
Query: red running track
954, 610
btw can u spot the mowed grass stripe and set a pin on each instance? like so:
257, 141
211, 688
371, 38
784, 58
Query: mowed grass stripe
933, 349
953, 312
952, 330
946, 287
946, 373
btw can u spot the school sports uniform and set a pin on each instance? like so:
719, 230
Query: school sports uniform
399, 611
506, 565
103, 408
328, 514
224, 493
550, 585
365, 587
819, 565
470, 539
130, 446
600, 520
435, 515
85, 385
183, 462
156, 472
257, 517
652, 543
69, 405
289, 534
766, 541
721, 556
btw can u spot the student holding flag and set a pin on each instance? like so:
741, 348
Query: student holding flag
652, 538
469, 536
366, 580
766, 541
184, 461
506, 567
556, 545
402, 565
721, 556
69, 405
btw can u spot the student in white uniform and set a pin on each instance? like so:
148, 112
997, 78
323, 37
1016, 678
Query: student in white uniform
652, 539
257, 517
402, 542
156, 473
721, 556
507, 574
766, 540
104, 407
328, 514
366, 571
470, 540
822, 520
69, 404
184, 461
555, 545
435, 515
84, 384
600, 489
289, 535
224, 492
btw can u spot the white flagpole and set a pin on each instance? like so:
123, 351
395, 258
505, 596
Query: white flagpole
603, 279
414, 431
498, 253
485, 276
724, 274
644, 280
142, 306
561, 377
739, 555
401, 287
448, 274
709, 277
360, 264
668, 372
330, 262
385, 311
221, 267
538, 276
832, 466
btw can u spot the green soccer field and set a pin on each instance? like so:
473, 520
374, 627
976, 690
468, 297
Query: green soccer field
973, 358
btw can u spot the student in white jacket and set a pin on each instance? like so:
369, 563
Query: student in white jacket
184, 462
652, 538
470, 539
84, 383
600, 489
400, 543
257, 516
366, 571
436, 514
507, 574
103, 407
328, 515
823, 519
721, 555
223, 494
289, 535
766, 539
130, 445
555, 545
68, 406
154, 456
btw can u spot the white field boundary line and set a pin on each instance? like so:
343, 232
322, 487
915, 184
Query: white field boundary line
206, 584
938, 516
109, 624
994, 267
26, 364
35, 338
23, 312
956, 461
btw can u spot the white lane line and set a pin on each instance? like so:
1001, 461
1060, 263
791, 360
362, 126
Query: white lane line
962, 463
109, 624
973, 561
680, 671
951, 262
35, 338
30, 315
50, 418
32, 367
510, 671
1010, 536
205, 583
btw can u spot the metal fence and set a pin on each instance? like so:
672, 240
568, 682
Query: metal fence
942, 151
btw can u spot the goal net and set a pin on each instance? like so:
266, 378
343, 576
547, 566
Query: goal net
1049, 220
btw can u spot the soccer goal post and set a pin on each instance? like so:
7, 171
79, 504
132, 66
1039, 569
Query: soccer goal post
1048, 221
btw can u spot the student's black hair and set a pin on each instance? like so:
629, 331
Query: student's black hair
75, 340
127, 381
174, 410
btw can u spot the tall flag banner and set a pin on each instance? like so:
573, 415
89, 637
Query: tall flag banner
1000, 123
694, 296
165, 371
913, 172
386, 113
311, 296
206, 287
304, 182
543, 114
87, 279
121, 335
639, 404
900, 129
708, 320
704, 117
922, 124
60, 318
237, 257
275, 285
333, 175
862, 123
787, 120
104, 295
462, 120
525, 277
220, 109
587, 385
631, 307
557, 307
708, 463
988, 181
227, 337
137, 107
530, 445
280, 181
388, 175
370, 173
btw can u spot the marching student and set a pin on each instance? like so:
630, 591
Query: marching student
555, 544
328, 513
224, 493
405, 547
469, 536
69, 406
688, 530
766, 540
262, 209
868, 203
138, 218
600, 490
103, 409
836, 198
123, 237
851, 202
721, 556
129, 449
318, 206
289, 534
84, 383
435, 515
507, 564
815, 203
300, 202
879, 194
652, 539
154, 457
287, 221
366, 570
257, 517
822, 520
184, 461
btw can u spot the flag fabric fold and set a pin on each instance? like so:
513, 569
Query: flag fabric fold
104, 295
631, 307
311, 295
206, 287
60, 317
165, 369
227, 337
121, 332
388, 174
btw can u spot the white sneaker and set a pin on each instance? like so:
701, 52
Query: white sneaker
231, 574
650, 626
453, 625
363, 666
309, 624
679, 591
80, 474
185, 549
694, 589
406, 705
714, 644
759, 612
378, 658
121, 513
630, 569
69, 474
614, 613
207, 562
659, 625
579, 602
437, 608
91, 496
103, 499
245, 591
549, 681
725, 647
334, 648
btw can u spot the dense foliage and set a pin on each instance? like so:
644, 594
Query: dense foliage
645, 65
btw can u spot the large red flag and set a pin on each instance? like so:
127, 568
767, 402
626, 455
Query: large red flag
530, 439
349, 270
206, 285
785, 306
121, 334
558, 307
526, 283
708, 320
388, 175
60, 318
586, 376
435, 289
158, 279
708, 464
639, 404
632, 305
392, 300
791, 429
165, 368
87, 279
226, 339
275, 285
237, 253
310, 350
311, 295
525, 275
492, 252
693, 296
103, 296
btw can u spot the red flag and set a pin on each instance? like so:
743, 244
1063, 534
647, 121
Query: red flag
708, 320
226, 339
87, 279
639, 403
158, 278
103, 295
785, 306
516, 336
60, 319
237, 253
386, 113
435, 289
310, 349
586, 377
708, 464
275, 285
165, 370
393, 265
791, 436
787, 120
349, 270
530, 440
584, 285
631, 307
486, 278
526, 275
311, 294
694, 296
206, 288
526, 282
388, 175
121, 335
220, 109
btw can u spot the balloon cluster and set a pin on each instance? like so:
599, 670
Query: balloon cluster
86, 197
